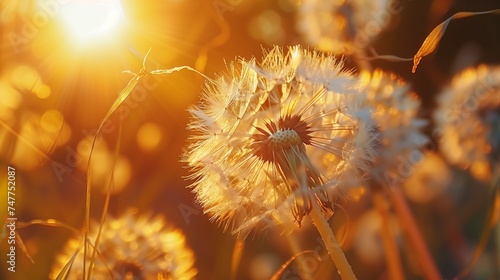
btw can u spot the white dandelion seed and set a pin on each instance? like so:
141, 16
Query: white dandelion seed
269, 139
468, 119
132, 247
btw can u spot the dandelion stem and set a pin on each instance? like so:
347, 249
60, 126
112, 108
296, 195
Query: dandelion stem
413, 234
391, 248
331, 243
279, 274
239, 247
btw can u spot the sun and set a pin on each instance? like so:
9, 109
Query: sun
90, 20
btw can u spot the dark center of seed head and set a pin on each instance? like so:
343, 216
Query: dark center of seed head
129, 270
287, 132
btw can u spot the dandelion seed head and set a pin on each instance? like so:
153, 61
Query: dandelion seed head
394, 109
341, 26
132, 247
468, 117
269, 137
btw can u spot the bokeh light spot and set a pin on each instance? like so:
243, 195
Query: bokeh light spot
263, 266
122, 174
24, 77
267, 27
42, 91
52, 121
10, 97
149, 136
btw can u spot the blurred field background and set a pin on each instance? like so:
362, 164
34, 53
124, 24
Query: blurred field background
57, 83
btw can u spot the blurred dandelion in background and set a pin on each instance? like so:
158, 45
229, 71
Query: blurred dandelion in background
341, 26
149, 136
267, 27
268, 139
468, 119
132, 247
394, 109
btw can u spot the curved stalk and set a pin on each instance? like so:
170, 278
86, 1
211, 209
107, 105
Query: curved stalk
334, 250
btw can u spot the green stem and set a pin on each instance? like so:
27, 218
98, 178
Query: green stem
331, 243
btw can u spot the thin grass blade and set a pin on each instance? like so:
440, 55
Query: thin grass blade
20, 242
49, 222
279, 274
122, 96
63, 275
179, 68
110, 185
25, 141
488, 228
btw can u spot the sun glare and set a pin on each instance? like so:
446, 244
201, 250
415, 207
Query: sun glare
87, 20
